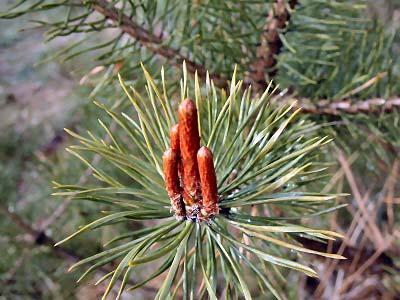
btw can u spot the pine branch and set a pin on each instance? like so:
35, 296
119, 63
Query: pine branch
152, 42
270, 44
370, 106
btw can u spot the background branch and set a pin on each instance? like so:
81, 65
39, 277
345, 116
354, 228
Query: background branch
152, 42
370, 106
270, 45
38, 237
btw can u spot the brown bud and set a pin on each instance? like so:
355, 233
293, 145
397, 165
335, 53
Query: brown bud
171, 161
174, 143
208, 181
189, 142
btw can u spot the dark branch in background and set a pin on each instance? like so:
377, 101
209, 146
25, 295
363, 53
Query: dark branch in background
270, 45
152, 42
38, 237
292, 3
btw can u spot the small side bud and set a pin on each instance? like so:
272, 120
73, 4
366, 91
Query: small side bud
174, 143
189, 141
208, 181
171, 161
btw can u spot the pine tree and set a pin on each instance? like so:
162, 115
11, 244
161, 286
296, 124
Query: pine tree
206, 178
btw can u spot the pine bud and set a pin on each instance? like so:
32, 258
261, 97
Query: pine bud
171, 161
208, 181
174, 143
189, 142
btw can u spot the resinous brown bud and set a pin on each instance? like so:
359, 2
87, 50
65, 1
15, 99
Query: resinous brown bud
189, 141
171, 162
208, 181
174, 143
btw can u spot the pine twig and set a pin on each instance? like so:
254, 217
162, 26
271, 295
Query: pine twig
152, 42
266, 58
369, 106
270, 45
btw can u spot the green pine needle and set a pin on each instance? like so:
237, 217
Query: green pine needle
264, 158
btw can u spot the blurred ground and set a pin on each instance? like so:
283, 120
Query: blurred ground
36, 102
38, 98
31, 94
